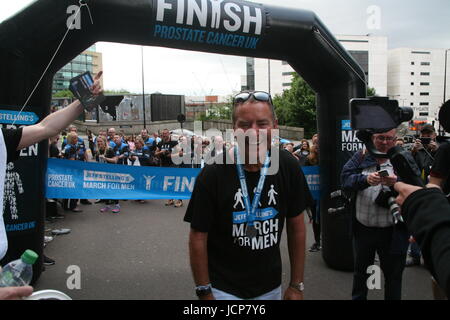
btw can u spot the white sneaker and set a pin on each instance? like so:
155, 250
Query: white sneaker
47, 239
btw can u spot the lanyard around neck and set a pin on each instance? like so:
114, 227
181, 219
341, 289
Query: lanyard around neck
251, 210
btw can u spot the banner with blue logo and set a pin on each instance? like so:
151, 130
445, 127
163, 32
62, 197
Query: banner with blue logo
18, 118
67, 179
313, 179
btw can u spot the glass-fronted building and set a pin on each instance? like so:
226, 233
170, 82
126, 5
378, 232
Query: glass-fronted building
89, 60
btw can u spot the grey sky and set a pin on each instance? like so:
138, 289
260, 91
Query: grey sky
406, 23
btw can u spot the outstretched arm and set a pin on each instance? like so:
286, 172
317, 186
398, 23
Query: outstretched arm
54, 123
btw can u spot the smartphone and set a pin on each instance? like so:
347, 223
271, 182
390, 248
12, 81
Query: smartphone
80, 86
383, 173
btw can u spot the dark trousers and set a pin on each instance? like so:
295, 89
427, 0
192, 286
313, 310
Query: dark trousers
316, 222
367, 241
69, 204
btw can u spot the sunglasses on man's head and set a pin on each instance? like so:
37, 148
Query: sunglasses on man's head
257, 95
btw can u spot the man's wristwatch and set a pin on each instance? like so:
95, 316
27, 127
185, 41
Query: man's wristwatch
298, 286
202, 291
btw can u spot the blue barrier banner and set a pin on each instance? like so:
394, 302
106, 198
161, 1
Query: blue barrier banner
67, 179
313, 179
19, 118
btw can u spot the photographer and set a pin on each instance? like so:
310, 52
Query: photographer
424, 150
373, 230
427, 215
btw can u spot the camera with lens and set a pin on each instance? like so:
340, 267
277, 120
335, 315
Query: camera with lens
383, 198
386, 199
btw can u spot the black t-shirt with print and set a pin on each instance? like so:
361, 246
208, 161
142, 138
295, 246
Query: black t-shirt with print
166, 159
12, 139
53, 151
441, 165
242, 266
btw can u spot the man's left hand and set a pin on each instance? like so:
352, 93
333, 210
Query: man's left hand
293, 294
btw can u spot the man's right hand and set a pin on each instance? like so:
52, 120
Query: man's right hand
374, 179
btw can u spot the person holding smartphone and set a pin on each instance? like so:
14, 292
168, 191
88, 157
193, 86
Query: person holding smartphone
373, 228
14, 140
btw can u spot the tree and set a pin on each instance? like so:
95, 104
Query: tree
296, 107
116, 92
63, 94
371, 92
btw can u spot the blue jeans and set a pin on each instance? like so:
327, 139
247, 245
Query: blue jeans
366, 242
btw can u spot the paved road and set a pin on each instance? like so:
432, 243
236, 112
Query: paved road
142, 253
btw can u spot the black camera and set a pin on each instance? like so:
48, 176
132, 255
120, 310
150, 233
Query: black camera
383, 197
378, 113
425, 141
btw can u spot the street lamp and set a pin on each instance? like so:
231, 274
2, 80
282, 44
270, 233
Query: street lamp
445, 74
143, 92
441, 132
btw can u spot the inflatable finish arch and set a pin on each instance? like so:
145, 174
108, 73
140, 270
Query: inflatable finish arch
29, 39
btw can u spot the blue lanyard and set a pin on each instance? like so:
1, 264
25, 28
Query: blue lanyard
251, 211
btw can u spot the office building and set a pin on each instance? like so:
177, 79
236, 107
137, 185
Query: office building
369, 51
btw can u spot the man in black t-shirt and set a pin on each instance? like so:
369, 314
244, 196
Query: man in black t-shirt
227, 261
164, 149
